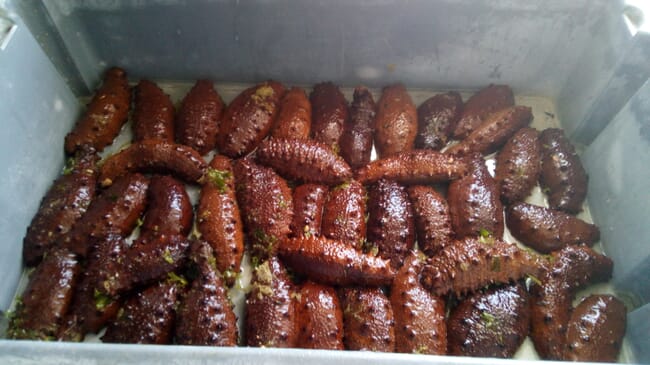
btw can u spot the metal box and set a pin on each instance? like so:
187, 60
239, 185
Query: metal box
589, 58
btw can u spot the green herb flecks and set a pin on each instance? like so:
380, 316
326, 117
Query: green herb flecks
354, 312
267, 240
336, 148
101, 300
177, 279
255, 261
10, 315
520, 172
283, 204
491, 323
489, 320
485, 237
69, 166
370, 248
362, 241
229, 274
218, 178
195, 233
212, 261
342, 186
167, 256
537, 255
532, 279
306, 231
204, 216
421, 256
16, 332
18, 303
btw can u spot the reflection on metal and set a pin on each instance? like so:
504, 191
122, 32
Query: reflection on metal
635, 15
7, 30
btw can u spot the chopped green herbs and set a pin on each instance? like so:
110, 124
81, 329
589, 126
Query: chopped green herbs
174, 278
307, 231
370, 248
491, 323
261, 237
167, 256
485, 237
101, 300
213, 263
255, 261
69, 166
218, 178
230, 274
195, 234
336, 148
421, 256
342, 186
532, 279
283, 203
488, 319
